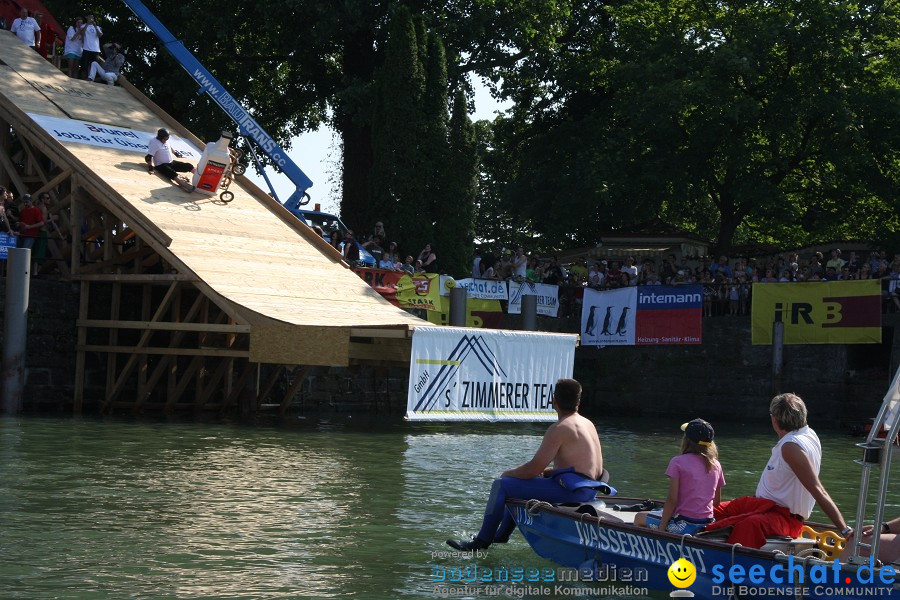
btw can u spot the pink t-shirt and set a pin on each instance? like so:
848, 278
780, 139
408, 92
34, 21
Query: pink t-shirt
696, 485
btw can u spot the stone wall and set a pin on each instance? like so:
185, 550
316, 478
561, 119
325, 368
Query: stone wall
723, 378
50, 346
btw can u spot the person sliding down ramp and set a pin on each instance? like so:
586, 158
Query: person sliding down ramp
160, 154
572, 444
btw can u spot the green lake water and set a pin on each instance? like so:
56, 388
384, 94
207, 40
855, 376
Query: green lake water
339, 509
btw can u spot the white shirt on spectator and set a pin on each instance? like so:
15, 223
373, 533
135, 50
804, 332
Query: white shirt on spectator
73, 46
92, 35
520, 265
476, 268
24, 29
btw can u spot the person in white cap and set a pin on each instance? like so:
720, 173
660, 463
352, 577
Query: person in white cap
112, 64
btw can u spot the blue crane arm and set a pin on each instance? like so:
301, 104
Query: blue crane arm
247, 125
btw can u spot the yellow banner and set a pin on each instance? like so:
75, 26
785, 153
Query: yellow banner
479, 313
419, 291
831, 312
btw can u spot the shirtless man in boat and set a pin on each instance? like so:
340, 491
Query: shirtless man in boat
571, 444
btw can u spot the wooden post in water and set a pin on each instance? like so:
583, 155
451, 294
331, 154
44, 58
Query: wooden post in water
777, 355
18, 276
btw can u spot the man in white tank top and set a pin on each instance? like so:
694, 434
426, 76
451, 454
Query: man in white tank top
789, 486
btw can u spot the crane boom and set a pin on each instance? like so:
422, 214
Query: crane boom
247, 125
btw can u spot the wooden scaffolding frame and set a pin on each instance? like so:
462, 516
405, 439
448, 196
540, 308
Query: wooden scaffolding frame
161, 336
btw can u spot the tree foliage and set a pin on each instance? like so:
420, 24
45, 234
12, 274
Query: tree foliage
455, 223
747, 121
760, 121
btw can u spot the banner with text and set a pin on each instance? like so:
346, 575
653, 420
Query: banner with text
669, 314
382, 281
482, 289
107, 136
647, 315
547, 297
459, 374
830, 312
7, 241
419, 291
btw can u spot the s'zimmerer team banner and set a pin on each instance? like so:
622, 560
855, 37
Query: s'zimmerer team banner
830, 312
646, 315
459, 374
547, 297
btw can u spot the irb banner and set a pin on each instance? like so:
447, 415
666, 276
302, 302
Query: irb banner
647, 315
459, 374
829, 312
547, 297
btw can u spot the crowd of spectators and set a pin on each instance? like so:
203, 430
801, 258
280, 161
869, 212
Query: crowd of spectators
727, 283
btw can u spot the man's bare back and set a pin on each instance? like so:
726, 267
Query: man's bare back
579, 446
571, 442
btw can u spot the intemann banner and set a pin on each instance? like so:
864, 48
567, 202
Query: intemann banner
647, 315
829, 312
461, 374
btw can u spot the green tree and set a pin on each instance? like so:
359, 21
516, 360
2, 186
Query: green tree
455, 225
434, 152
397, 186
768, 121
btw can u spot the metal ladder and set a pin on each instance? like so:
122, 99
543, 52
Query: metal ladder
878, 451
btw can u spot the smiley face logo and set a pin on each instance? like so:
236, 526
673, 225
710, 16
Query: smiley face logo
682, 573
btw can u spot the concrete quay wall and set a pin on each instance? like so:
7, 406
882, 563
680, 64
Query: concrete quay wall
725, 377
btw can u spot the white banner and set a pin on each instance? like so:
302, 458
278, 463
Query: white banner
7, 241
547, 297
460, 374
607, 318
481, 289
107, 136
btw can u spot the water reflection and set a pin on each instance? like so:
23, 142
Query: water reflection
94, 509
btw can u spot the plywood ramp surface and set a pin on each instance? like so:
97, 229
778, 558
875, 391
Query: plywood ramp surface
244, 251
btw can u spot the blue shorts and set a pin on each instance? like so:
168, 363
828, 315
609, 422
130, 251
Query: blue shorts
678, 524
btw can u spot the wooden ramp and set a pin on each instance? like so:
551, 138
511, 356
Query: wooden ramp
178, 277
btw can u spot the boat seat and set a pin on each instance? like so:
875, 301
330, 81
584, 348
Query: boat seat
594, 508
720, 534
788, 545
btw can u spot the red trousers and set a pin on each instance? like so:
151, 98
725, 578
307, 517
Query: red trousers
754, 519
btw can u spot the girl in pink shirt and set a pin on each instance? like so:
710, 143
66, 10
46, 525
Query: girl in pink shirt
695, 484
